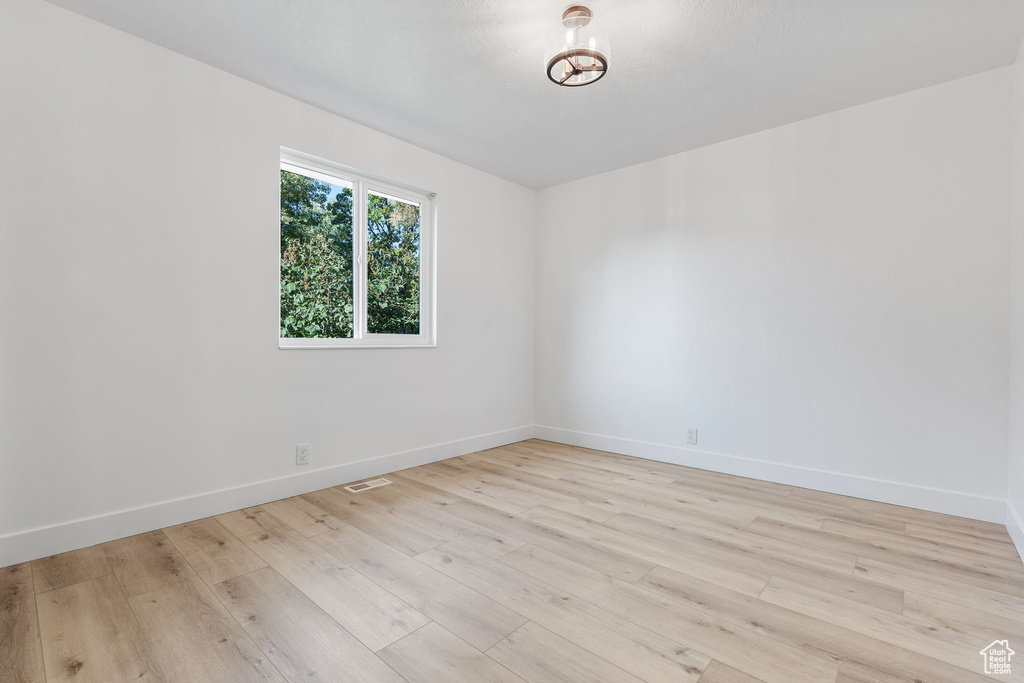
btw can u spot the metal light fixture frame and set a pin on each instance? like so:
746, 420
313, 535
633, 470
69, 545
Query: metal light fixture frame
574, 18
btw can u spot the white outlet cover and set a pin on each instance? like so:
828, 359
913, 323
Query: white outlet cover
302, 453
691, 435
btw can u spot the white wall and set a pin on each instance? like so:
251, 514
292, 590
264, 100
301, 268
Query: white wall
1015, 506
827, 302
138, 295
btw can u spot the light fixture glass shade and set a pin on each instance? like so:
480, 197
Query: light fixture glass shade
576, 55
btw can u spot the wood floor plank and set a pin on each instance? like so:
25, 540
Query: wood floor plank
745, 578
773, 505
904, 514
678, 474
931, 558
471, 616
394, 531
584, 500
556, 493
89, 634
370, 613
65, 569
724, 503
508, 489
603, 459
212, 551
736, 489
997, 532
423, 493
769, 560
856, 653
249, 521
520, 462
844, 514
441, 468
541, 463
195, 638
302, 642
303, 516
808, 512
861, 677
678, 510
720, 673
433, 654
475, 493
648, 471
452, 467
981, 543
611, 562
146, 561
642, 652
21, 655
941, 644
965, 620
987, 571
694, 475
943, 588
737, 645
540, 656
835, 559
438, 521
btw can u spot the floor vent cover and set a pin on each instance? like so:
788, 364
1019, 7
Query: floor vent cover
367, 485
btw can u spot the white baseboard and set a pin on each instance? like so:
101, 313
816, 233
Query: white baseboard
40, 542
907, 495
1015, 525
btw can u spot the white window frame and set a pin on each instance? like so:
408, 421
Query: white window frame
362, 184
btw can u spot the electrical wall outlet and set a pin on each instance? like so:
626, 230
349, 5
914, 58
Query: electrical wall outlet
691, 435
302, 452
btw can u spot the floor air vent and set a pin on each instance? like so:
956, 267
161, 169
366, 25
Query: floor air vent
367, 485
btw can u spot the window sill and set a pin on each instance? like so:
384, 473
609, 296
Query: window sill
298, 344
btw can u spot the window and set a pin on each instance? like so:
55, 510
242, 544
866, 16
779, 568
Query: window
356, 259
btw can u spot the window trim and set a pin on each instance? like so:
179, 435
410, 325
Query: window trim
362, 184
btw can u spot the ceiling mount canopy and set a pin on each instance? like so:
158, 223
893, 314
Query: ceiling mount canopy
573, 62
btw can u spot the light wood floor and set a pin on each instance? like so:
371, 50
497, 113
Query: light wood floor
532, 562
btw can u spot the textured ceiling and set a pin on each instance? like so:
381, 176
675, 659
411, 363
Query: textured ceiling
465, 78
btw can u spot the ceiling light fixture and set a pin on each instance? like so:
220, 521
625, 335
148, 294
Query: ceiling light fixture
575, 63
